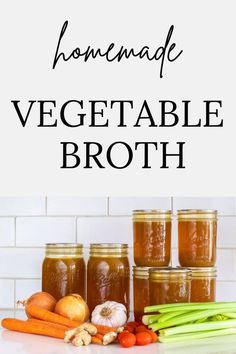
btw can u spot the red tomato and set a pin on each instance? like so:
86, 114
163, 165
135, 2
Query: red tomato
127, 340
153, 335
120, 335
129, 328
143, 338
140, 329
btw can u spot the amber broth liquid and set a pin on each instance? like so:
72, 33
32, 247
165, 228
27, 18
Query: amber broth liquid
63, 276
108, 279
197, 243
141, 297
203, 290
152, 243
168, 292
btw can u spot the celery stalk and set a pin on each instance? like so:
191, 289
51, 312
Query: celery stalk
229, 315
198, 335
196, 327
167, 316
190, 306
188, 317
148, 319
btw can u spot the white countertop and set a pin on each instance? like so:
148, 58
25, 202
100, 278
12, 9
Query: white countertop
21, 343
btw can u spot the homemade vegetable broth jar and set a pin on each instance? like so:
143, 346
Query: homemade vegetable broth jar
197, 231
169, 285
140, 291
108, 274
152, 237
63, 270
203, 284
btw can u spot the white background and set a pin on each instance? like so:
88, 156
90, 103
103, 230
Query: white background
30, 157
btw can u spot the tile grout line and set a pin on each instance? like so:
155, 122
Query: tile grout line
14, 231
108, 206
14, 297
76, 230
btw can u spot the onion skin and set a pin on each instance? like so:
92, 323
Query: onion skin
73, 307
41, 299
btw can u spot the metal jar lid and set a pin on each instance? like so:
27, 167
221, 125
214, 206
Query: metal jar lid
141, 272
169, 273
63, 250
152, 214
203, 272
108, 249
203, 214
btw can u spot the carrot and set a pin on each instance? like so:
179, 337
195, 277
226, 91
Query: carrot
105, 329
99, 335
55, 325
32, 327
48, 316
96, 340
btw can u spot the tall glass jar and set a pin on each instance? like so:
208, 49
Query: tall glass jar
152, 237
197, 232
169, 285
63, 270
108, 274
203, 284
140, 291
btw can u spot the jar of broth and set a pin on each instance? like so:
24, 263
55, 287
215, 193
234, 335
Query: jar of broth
108, 274
197, 231
140, 291
203, 284
63, 270
152, 237
169, 285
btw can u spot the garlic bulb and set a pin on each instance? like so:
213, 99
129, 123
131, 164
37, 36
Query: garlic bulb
110, 313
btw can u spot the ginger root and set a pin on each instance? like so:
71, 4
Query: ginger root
109, 337
89, 327
77, 335
82, 338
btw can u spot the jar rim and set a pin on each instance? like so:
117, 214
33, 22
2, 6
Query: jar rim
140, 269
64, 245
152, 211
108, 245
197, 211
170, 270
203, 269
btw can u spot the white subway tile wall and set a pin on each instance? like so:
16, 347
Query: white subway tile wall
27, 223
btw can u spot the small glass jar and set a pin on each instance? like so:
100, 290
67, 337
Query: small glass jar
63, 270
108, 274
169, 285
197, 231
152, 237
140, 291
203, 284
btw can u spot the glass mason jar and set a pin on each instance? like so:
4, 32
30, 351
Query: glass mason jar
152, 237
108, 274
169, 285
197, 230
63, 270
203, 284
140, 291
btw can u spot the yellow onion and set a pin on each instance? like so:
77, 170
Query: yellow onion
41, 299
73, 307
